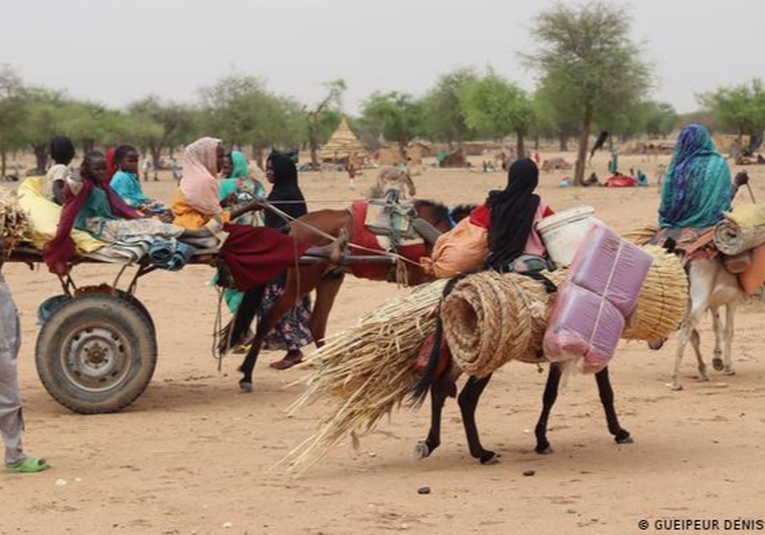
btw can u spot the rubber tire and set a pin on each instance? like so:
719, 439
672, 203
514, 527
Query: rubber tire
118, 315
133, 300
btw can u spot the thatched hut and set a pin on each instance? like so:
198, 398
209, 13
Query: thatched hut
342, 145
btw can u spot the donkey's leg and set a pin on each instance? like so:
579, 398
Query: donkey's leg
292, 293
548, 400
468, 401
326, 291
719, 328
695, 340
685, 335
282, 305
438, 394
730, 313
621, 435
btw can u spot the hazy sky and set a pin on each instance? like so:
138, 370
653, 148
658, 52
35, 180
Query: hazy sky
118, 51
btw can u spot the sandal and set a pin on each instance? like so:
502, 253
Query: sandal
27, 466
286, 363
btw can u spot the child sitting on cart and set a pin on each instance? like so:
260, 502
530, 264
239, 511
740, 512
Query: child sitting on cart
91, 205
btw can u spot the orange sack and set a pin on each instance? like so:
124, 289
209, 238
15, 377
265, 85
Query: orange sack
754, 277
461, 250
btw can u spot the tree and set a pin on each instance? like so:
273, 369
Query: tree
589, 63
397, 116
12, 113
322, 120
47, 110
495, 107
444, 118
740, 108
240, 110
161, 125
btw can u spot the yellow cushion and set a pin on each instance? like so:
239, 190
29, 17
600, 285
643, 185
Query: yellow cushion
44, 216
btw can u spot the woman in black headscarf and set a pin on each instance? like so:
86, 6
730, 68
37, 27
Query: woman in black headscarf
510, 216
293, 331
281, 171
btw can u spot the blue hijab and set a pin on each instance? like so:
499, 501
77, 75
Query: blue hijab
697, 188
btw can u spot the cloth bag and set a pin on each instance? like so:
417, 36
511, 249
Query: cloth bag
461, 250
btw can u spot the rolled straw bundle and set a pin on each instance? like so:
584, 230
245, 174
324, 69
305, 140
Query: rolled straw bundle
14, 223
490, 319
367, 370
663, 299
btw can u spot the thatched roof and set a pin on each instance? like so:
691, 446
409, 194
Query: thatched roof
342, 144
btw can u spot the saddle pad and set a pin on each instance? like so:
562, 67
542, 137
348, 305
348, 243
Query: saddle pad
361, 235
694, 242
385, 218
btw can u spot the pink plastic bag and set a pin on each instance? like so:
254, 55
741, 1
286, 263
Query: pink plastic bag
582, 324
610, 266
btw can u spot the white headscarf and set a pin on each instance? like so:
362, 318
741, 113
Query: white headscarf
199, 184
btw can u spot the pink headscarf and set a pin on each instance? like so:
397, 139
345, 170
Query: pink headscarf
199, 184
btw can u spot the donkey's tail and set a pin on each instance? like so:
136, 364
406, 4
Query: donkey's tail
420, 390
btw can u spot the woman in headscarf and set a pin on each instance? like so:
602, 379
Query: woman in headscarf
510, 215
293, 331
697, 188
242, 187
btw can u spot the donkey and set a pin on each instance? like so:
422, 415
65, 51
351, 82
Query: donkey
711, 286
397, 179
440, 379
326, 279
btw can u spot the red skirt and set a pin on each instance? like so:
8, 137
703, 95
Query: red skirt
257, 255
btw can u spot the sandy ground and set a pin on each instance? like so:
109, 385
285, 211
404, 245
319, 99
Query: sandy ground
193, 455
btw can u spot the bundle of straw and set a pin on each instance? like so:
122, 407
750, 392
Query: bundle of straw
663, 300
490, 319
642, 235
14, 223
367, 370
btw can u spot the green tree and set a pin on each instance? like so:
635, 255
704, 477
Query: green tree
161, 125
587, 60
397, 116
739, 108
444, 118
322, 120
240, 110
46, 112
496, 107
12, 114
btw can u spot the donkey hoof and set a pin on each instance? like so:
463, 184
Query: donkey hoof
729, 372
245, 386
489, 457
422, 450
547, 450
621, 439
717, 364
677, 387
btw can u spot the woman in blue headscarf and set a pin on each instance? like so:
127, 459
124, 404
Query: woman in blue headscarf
697, 188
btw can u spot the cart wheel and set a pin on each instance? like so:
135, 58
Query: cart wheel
96, 354
133, 300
